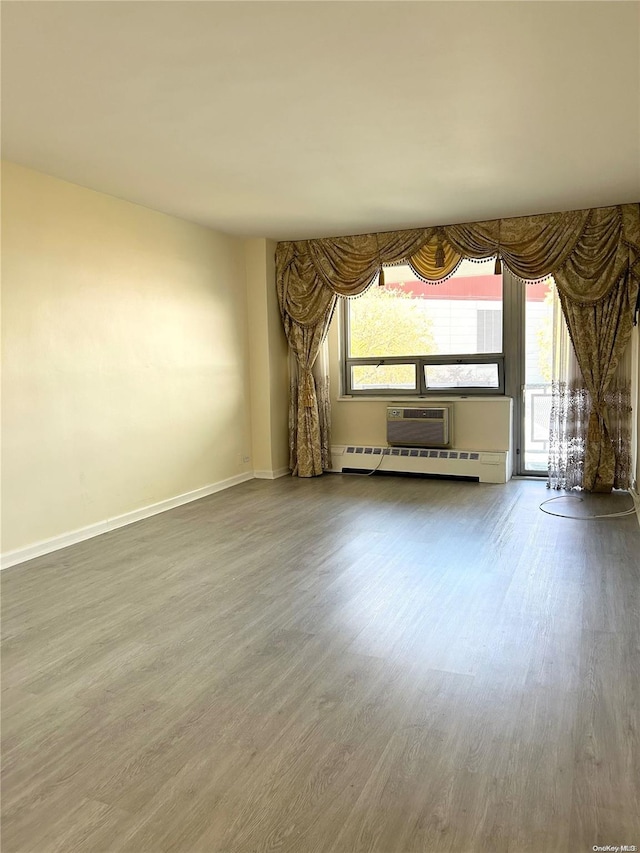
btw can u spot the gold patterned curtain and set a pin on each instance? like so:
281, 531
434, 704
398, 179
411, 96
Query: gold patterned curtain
308, 430
600, 333
571, 408
594, 256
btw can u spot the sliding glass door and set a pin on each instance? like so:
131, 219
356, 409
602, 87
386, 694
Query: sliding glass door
529, 371
538, 330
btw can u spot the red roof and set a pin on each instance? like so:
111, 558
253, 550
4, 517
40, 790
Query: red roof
484, 287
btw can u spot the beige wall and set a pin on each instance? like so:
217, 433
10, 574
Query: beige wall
477, 424
268, 361
125, 357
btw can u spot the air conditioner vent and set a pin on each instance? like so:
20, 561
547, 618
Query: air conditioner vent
428, 414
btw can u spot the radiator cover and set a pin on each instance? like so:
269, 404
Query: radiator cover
484, 466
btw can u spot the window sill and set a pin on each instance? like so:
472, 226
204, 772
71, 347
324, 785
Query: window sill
472, 398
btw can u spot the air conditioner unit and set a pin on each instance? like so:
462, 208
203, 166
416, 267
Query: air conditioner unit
419, 426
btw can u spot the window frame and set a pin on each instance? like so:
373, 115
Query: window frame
421, 390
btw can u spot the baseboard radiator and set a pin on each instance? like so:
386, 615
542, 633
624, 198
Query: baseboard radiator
484, 466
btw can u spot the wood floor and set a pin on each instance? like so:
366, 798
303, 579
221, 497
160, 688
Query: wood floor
340, 664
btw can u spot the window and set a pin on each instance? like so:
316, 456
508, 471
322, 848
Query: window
489, 324
415, 338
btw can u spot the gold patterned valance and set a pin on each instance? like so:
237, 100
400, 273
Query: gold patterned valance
593, 255
587, 252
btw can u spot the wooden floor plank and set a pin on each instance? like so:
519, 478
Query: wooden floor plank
342, 664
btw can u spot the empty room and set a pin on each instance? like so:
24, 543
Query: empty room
320, 443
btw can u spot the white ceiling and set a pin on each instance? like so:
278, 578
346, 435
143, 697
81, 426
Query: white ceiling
303, 119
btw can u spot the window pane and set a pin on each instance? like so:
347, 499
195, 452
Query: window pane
389, 321
368, 377
489, 330
462, 315
461, 376
539, 307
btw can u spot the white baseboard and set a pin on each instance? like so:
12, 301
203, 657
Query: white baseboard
38, 549
272, 475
